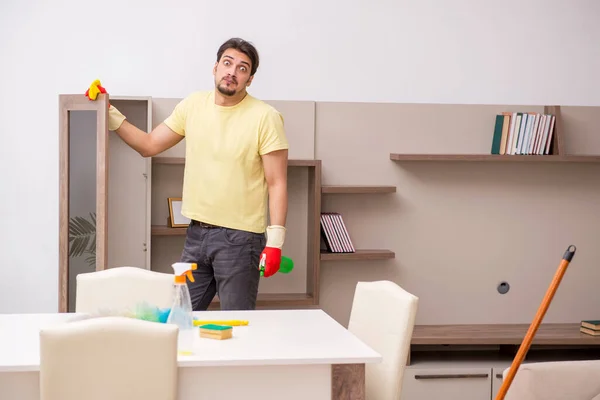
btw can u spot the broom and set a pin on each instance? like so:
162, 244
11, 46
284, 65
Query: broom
526, 343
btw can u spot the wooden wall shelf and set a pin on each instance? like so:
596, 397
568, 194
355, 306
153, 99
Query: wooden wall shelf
557, 151
500, 334
496, 158
364, 254
356, 189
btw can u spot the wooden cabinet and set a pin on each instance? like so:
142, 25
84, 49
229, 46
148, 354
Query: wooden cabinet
114, 202
467, 361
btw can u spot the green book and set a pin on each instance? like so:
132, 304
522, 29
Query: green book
591, 324
497, 139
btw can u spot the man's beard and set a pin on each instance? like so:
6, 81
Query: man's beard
225, 90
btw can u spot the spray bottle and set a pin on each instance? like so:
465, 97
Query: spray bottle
181, 308
285, 267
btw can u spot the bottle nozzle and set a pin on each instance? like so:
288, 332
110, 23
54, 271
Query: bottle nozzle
183, 269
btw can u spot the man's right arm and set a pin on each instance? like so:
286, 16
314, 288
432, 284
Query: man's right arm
148, 144
164, 136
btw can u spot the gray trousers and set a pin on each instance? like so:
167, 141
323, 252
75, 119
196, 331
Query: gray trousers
227, 264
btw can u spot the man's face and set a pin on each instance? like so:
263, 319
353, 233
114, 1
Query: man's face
232, 72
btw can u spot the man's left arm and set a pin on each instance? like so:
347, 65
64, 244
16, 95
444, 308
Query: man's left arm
275, 165
274, 153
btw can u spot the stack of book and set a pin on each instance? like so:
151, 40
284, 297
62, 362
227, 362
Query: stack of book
590, 327
334, 233
529, 133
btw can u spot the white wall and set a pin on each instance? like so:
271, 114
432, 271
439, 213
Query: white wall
464, 51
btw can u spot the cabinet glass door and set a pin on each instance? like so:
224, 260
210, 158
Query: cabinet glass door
83, 191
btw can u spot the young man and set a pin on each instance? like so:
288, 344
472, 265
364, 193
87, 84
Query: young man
236, 160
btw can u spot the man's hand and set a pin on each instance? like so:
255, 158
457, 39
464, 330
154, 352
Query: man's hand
115, 118
270, 259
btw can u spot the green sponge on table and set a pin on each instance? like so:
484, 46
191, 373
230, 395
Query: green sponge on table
214, 331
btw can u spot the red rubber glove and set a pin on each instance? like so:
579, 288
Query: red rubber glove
270, 258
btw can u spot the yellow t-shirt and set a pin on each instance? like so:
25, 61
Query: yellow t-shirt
224, 182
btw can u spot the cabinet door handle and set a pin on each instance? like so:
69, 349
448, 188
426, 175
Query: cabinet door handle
450, 376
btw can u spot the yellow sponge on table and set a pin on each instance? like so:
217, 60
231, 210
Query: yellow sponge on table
213, 331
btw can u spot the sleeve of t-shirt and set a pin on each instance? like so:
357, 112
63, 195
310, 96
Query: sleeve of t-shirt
176, 121
272, 133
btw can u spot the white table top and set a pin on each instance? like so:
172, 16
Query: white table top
272, 337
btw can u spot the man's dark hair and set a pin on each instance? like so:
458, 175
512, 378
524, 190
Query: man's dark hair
243, 46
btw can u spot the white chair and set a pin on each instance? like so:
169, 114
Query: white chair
556, 380
383, 317
122, 288
114, 358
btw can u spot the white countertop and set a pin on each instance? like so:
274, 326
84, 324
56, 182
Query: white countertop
272, 337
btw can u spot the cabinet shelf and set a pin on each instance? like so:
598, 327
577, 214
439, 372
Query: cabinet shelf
181, 161
356, 189
496, 158
364, 254
165, 230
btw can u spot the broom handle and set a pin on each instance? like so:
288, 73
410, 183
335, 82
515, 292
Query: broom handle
567, 257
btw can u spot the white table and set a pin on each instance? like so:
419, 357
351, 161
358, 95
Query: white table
304, 353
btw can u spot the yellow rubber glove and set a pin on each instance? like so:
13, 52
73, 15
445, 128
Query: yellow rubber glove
275, 236
115, 118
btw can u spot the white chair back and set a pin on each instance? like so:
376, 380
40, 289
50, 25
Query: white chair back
114, 358
555, 380
383, 316
122, 288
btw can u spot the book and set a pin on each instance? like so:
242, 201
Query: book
588, 331
591, 324
334, 233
